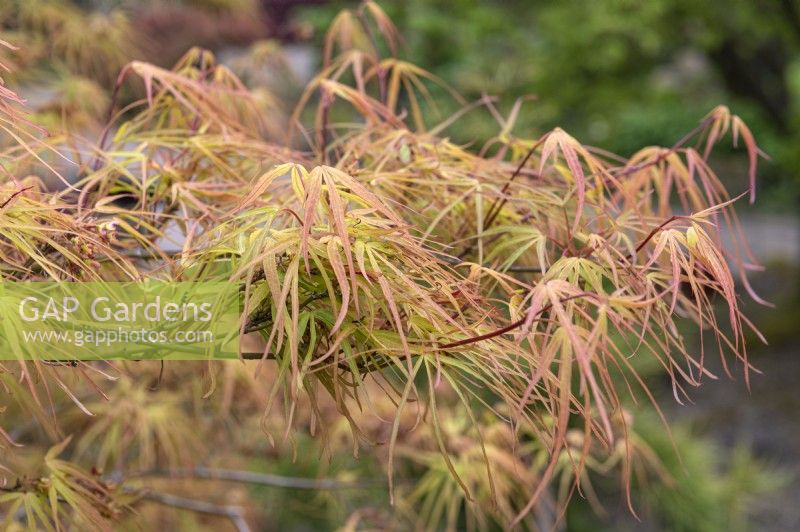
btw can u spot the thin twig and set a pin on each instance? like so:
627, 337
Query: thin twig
510, 327
263, 479
498, 203
12, 196
234, 513
655, 230
455, 261
675, 147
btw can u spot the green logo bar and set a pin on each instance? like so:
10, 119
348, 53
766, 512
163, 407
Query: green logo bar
149, 320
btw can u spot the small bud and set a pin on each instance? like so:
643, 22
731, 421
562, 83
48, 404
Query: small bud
691, 238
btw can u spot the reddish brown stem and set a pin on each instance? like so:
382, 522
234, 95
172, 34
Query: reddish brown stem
675, 147
655, 230
510, 327
12, 196
498, 204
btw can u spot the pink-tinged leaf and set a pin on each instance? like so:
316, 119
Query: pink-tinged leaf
386, 289
371, 199
549, 148
338, 214
739, 127
313, 190
583, 356
147, 78
675, 260
258, 188
720, 118
341, 278
294, 341
534, 310
576, 169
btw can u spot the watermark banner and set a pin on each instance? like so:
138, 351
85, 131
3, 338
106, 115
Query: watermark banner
148, 320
